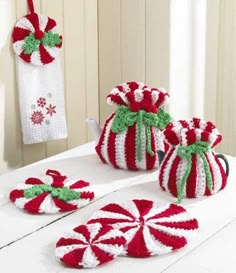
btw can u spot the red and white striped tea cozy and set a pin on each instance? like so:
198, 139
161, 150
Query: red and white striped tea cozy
131, 135
88, 246
53, 193
149, 228
191, 168
36, 39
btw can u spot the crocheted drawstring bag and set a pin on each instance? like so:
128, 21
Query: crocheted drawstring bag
131, 136
191, 168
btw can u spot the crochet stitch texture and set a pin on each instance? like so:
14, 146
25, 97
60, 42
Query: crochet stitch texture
88, 246
191, 168
149, 228
53, 193
131, 135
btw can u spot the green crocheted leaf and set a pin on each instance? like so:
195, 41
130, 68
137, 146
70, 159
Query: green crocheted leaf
31, 44
51, 39
64, 193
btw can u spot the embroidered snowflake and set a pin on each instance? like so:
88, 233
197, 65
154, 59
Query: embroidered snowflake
37, 117
51, 110
41, 102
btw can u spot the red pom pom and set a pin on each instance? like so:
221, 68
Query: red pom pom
145, 104
135, 106
39, 34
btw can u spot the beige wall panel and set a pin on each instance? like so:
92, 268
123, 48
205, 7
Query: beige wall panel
133, 40
158, 43
54, 9
75, 78
109, 51
226, 98
10, 145
91, 42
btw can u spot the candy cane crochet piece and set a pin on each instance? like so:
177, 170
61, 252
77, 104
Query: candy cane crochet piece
36, 39
149, 228
52, 194
88, 246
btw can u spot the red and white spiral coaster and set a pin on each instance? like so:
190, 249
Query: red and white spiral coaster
88, 246
149, 228
53, 193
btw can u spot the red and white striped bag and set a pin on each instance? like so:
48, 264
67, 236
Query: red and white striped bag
191, 168
131, 135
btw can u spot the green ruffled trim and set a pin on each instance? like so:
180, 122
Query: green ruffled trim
124, 118
32, 44
64, 193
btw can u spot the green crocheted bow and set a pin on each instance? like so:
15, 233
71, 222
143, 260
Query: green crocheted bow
125, 117
32, 44
64, 193
199, 148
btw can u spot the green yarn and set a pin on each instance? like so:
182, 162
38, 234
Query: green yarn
32, 44
64, 193
125, 117
200, 147
51, 39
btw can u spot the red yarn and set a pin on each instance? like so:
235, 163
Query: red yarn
31, 6
172, 185
151, 160
130, 149
192, 179
111, 149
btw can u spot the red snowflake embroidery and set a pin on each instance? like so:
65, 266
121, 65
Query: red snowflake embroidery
51, 110
37, 117
41, 102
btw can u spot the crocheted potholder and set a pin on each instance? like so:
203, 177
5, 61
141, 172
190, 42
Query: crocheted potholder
150, 229
52, 194
88, 246
36, 39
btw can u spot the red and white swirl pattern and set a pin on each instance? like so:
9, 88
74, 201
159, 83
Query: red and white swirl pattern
134, 93
173, 167
38, 25
44, 202
88, 246
149, 228
187, 132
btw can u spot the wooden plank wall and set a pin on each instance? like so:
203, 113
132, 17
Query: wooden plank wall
77, 20
134, 44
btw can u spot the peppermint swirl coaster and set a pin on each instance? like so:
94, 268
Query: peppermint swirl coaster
36, 39
149, 228
53, 194
88, 246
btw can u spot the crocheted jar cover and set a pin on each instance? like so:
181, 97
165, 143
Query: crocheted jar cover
190, 168
53, 194
149, 228
36, 39
131, 136
88, 246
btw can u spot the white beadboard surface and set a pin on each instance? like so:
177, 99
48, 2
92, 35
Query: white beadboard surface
27, 242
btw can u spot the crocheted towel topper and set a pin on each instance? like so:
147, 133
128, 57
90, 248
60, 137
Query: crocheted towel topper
37, 44
191, 168
131, 135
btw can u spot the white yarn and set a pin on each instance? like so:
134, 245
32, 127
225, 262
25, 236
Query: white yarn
35, 82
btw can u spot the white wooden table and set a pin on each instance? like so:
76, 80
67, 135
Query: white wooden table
27, 242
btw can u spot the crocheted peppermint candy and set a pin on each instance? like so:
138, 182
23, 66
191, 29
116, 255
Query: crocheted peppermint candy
88, 246
149, 228
36, 39
52, 194
191, 168
132, 136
